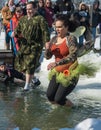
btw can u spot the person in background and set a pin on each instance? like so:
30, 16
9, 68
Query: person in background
8, 73
7, 15
13, 24
84, 18
42, 12
23, 1
64, 7
49, 14
65, 48
11, 6
96, 17
41, 8
32, 32
22, 4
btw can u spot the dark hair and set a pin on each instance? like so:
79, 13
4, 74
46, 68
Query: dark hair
65, 18
96, 2
2, 63
33, 3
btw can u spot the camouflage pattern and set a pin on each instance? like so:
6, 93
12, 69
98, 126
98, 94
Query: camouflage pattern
32, 35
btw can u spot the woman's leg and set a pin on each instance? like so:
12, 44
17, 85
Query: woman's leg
52, 88
62, 92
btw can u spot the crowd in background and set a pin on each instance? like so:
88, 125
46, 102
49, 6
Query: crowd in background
86, 15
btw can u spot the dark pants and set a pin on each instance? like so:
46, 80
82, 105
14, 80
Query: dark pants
11, 73
57, 92
16, 74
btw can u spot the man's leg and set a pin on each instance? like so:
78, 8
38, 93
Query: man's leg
27, 83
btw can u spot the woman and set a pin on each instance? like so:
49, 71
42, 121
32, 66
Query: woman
7, 15
11, 5
96, 18
13, 24
63, 77
41, 8
49, 14
84, 18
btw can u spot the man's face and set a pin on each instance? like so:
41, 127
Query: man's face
30, 10
2, 67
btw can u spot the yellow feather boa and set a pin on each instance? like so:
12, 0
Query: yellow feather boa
67, 76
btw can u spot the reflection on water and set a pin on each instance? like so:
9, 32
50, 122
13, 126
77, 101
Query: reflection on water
32, 110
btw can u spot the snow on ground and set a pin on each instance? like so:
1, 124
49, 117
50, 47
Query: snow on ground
87, 124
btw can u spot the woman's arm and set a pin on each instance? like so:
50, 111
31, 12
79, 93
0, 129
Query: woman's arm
47, 53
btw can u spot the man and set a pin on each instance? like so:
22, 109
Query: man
8, 73
32, 32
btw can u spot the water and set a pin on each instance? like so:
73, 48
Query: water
32, 110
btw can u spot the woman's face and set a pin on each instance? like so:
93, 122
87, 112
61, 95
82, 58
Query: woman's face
83, 7
41, 3
60, 28
19, 13
48, 3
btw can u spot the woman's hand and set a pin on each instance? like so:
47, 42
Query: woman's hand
51, 65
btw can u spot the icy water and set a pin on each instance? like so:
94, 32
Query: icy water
32, 110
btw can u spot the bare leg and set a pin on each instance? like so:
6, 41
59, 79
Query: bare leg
28, 79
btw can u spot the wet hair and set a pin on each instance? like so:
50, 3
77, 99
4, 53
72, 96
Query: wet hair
71, 24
